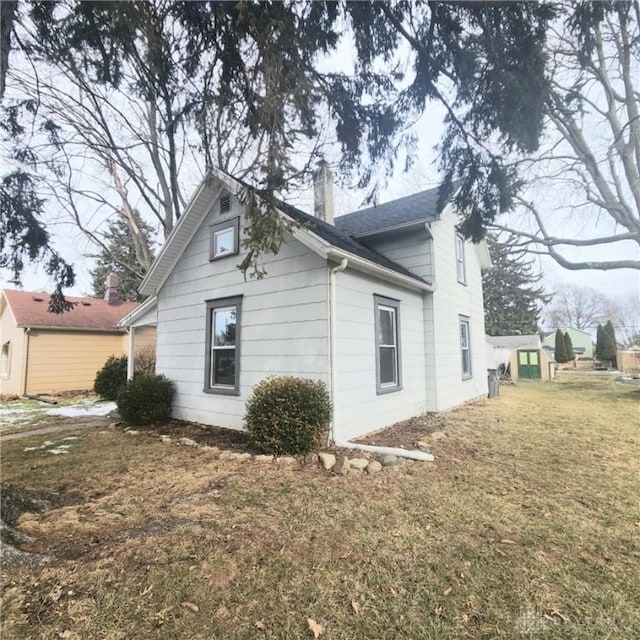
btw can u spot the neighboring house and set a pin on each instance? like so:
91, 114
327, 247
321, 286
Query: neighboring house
522, 356
384, 305
44, 352
581, 341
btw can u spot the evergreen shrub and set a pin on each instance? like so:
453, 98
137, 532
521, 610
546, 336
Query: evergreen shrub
287, 415
147, 399
111, 377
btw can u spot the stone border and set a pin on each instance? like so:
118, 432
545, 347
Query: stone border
336, 463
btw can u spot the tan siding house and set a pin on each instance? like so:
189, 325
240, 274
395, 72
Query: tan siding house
43, 352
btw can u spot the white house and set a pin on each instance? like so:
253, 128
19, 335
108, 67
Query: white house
384, 305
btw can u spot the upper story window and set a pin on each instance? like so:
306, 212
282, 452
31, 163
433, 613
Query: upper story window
224, 239
461, 271
222, 368
388, 366
465, 347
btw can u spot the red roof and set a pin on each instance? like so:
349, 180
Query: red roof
31, 309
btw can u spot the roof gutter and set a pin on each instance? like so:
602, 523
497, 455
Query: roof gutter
383, 272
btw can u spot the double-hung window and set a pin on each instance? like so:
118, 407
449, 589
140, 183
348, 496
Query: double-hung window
224, 239
465, 347
222, 368
461, 271
387, 322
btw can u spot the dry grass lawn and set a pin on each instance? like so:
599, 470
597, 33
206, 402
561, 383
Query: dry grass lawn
526, 526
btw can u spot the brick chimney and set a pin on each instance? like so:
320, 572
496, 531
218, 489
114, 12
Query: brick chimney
323, 192
111, 290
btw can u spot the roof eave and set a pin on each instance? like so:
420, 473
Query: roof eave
139, 311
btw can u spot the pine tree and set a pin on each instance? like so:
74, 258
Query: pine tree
600, 346
610, 349
119, 257
561, 348
568, 345
511, 297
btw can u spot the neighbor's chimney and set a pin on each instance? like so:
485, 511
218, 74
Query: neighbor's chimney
323, 193
111, 290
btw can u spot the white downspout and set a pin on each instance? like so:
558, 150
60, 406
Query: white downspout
130, 355
333, 344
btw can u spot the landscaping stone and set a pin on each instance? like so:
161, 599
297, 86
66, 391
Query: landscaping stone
209, 449
327, 460
285, 460
226, 454
374, 467
263, 458
187, 442
388, 460
341, 467
359, 463
132, 432
165, 439
438, 435
240, 456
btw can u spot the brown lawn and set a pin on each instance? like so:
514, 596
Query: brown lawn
526, 526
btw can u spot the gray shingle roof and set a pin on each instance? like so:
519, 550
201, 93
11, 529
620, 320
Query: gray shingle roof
513, 342
341, 240
419, 207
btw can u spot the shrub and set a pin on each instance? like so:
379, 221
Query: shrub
145, 360
146, 399
111, 377
287, 415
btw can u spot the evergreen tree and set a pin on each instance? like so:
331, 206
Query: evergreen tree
119, 256
511, 298
599, 342
610, 348
568, 346
561, 348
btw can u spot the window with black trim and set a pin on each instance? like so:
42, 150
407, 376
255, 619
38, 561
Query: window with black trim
222, 362
465, 347
224, 239
461, 270
388, 363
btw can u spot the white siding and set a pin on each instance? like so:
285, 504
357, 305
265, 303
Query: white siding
412, 249
358, 407
283, 325
452, 299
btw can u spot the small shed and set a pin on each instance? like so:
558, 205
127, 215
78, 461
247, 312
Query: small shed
523, 357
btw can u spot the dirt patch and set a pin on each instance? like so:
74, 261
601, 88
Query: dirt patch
407, 433
14, 501
202, 434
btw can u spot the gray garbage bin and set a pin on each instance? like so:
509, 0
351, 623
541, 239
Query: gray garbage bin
494, 383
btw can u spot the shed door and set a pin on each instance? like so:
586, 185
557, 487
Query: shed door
529, 365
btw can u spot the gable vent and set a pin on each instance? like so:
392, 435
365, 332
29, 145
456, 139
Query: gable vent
37, 299
225, 203
86, 304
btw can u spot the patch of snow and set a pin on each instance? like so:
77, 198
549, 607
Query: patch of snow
58, 451
32, 448
82, 410
71, 438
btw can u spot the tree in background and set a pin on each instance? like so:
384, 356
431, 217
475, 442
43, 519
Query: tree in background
560, 348
578, 307
512, 297
610, 349
600, 342
568, 347
119, 256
